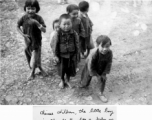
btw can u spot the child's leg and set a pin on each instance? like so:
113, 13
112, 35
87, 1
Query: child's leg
88, 51
102, 87
62, 83
85, 77
82, 46
28, 56
39, 62
27, 52
62, 72
103, 82
68, 81
33, 64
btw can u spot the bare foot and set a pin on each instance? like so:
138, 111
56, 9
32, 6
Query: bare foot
77, 69
69, 85
61, 85
103, 99
29, 66
44, 74
31, 77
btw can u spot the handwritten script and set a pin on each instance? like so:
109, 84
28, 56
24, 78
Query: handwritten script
74, 113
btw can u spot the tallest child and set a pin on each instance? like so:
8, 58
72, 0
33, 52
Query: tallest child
87, 24
30, 26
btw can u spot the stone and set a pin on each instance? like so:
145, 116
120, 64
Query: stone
60, 101
136, 33
19, 93
71, 103
28, 100
143, 27
88, 98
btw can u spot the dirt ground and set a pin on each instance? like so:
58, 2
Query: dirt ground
130, 80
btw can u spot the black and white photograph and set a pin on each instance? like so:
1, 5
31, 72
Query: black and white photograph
76, 52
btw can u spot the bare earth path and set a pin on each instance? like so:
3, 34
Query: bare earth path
130, 80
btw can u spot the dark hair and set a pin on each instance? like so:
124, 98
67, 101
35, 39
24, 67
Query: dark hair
64, 16
32, 3
55, 21
103, 39
83, 6
71, 7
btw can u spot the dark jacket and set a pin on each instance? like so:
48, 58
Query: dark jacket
66, 43
98, 63
31, 29
78, 27
87, 24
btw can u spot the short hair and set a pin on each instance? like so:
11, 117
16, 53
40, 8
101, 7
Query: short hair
103, 39
64, 16
32, 3
83, 6
71, 7
55, 21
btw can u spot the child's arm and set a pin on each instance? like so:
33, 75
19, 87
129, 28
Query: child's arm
56, 46
108, 67
77, 42
40, 25
82, 31
53, 39
94, 64
91, 25
19, 24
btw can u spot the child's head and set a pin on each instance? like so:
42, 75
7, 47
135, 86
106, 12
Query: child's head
73, 10
65, 22
84, 6
31, 7
56, 25
104, 43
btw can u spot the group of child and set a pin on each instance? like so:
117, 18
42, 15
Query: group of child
70, 40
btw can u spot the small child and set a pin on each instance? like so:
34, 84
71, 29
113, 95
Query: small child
55, 30
87, 23
98, 64
32, 24
66, 49
77, 25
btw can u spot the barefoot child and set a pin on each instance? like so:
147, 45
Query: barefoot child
30, 26
87, 23
98, 64
77, 25
67, 47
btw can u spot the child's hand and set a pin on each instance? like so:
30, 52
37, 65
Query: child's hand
56, 59
104, 77
36, 22
27, 37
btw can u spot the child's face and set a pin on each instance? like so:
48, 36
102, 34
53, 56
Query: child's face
56, 26
105, 48
66, 24
31, 10
74, 14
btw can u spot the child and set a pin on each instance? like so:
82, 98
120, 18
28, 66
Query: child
98, 64
55, 29
77, 25
87, 23
32, 24
67, 47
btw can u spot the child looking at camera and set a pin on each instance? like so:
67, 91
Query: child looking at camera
66, 50
30, 27
98, 64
